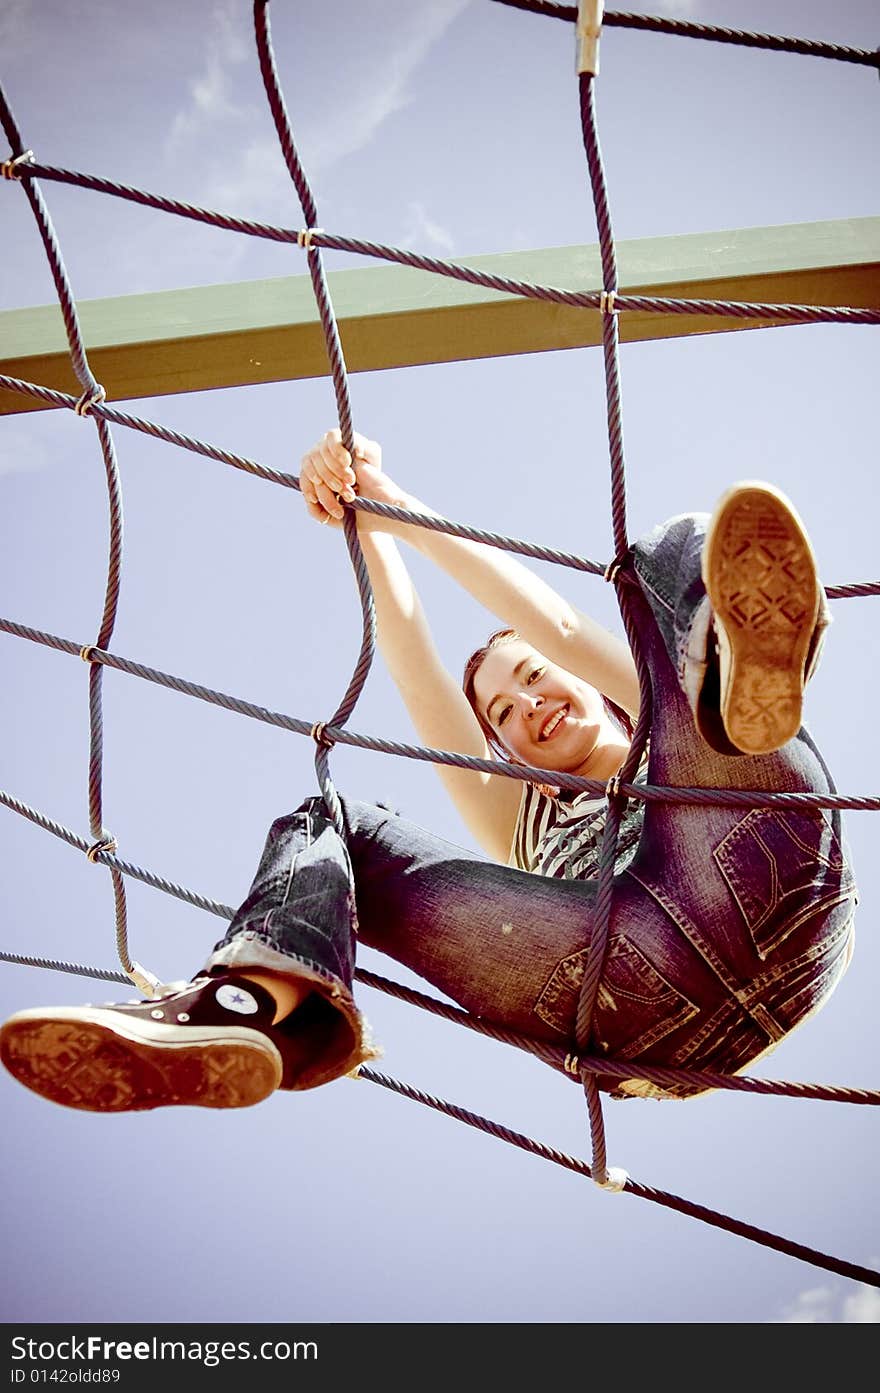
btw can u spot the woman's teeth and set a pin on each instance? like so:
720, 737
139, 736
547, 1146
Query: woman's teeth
553, 723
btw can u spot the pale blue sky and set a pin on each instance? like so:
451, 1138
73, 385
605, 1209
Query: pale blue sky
450, 126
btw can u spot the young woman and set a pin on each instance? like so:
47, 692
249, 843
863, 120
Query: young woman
729, 926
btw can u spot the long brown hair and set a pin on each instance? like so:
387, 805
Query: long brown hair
498, 748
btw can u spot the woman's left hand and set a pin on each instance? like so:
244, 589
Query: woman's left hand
329, 477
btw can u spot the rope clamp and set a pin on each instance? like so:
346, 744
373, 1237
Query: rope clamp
86, 652
587, 32
92, 396
106, 842
607, 302
147, 983
614, 1180
8, 167
612, 788
571, 1064
319, 734
304, 237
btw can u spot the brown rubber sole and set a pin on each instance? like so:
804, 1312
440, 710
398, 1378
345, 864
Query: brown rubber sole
761, 578
94, 1060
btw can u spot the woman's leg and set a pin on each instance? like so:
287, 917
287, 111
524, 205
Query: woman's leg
728, 928
486, 935
765, 898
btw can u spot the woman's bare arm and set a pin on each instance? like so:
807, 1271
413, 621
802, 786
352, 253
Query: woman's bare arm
439, 710
507, 588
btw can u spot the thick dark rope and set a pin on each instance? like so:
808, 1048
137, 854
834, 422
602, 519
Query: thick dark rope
433, 523
700, 1212
600, 930
527, 773
343, 403
102, 846
632, 1187
92, 392
811, 48
563, 1060
585, 299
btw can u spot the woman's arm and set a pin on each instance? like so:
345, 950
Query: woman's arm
440, 712
510, 590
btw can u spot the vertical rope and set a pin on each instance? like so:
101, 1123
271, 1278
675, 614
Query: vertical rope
343, 403
616, 802
92, 391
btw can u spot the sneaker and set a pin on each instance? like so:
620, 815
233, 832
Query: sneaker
761, 578
210, 1044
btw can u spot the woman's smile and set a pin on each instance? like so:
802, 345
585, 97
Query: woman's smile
542, 714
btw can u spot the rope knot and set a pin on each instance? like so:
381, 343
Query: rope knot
612, 788
614, 567
614, 1180
319, 734
106, 842
92, 396
9, 167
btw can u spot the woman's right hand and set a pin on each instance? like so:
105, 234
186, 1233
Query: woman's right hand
330, 477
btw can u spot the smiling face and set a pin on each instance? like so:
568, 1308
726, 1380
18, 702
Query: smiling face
542, 714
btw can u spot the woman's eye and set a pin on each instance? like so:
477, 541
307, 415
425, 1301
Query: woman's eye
503, 715
535, 674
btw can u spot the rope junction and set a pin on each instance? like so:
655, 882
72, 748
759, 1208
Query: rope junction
100, 846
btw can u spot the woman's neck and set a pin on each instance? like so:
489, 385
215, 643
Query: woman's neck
606, 757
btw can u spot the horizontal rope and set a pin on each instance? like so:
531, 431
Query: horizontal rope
101, 846
536, 551
792, 313
687, 29
633, 1187
526, 773
556, 1057
708, 1216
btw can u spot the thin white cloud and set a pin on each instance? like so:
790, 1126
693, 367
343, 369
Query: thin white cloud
859, 1305
862, 1307
356, 125
422, 233
256, 183
352, 122
210, 90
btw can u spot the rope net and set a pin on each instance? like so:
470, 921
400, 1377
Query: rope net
594, 1073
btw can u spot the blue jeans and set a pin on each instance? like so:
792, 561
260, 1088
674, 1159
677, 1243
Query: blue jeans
728, 929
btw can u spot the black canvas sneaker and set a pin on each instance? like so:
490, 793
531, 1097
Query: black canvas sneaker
209, 1043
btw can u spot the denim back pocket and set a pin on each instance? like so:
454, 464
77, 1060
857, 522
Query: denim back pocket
782, 868
635, 1007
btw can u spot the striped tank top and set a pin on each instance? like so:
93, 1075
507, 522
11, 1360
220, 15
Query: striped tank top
562, 836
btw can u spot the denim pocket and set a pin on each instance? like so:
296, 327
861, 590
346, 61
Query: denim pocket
782, 868
635, 1007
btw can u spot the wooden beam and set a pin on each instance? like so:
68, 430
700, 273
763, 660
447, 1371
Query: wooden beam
392, 316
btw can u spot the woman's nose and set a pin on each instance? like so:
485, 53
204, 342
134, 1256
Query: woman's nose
530, 704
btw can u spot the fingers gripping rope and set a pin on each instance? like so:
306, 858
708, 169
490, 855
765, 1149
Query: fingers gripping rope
590, 15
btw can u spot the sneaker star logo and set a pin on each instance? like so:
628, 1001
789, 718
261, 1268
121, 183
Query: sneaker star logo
236, 999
